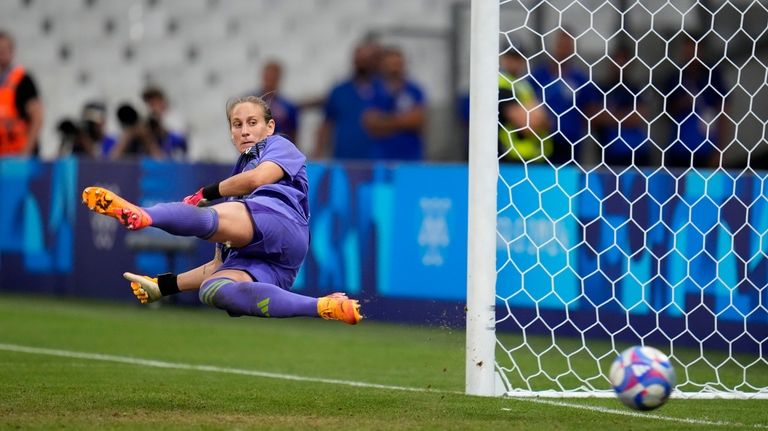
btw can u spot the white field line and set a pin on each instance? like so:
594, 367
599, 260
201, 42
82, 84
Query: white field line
635, 414
253, 373
208, 368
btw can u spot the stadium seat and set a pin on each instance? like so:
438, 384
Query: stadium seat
193, 46
198, 7
115, 8
38, 53
99, 53
161, 53
23, 23
201, 26
78, 25
120, 84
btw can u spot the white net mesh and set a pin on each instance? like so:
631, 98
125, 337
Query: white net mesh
632, 202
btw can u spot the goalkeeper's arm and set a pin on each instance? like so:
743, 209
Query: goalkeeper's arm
241, 184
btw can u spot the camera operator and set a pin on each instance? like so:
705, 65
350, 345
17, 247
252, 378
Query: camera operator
136, 137
165, 124
88, 137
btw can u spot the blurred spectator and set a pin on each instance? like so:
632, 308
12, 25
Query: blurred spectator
21, 111
562, 87
284, 111
523, 120
621, 131
166, 126
699, 124
397, 116
462, 114
342, 135
136, 137
88, 137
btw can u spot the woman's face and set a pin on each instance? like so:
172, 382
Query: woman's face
248, 126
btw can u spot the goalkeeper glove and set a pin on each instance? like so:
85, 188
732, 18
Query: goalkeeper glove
196, 199
147, 289
203, 196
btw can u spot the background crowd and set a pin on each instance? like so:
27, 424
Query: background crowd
550, 111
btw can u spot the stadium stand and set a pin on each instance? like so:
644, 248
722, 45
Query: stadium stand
81, 49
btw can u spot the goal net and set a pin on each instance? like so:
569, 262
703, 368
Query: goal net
632, 203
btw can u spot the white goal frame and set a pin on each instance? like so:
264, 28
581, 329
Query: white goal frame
483, 375
483, 175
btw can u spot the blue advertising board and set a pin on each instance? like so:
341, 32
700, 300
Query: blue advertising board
636, 246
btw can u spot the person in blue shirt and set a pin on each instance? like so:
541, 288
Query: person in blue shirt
397, 116
342, 135
699, 127
284, 111
621, 129
262, 228
569, 95
165, 125
161, 135
462, 115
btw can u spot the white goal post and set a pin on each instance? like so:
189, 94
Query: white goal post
629, 205
483, 175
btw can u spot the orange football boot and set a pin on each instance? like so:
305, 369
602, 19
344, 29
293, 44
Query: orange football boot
337, 306
103, 201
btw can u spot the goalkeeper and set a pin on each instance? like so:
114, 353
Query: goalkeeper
261, 228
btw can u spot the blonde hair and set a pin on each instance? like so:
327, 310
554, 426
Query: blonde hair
256, 100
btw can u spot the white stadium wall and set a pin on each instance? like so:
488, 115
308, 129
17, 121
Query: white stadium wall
204, 51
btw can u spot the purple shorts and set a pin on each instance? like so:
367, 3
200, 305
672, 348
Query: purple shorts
280, 243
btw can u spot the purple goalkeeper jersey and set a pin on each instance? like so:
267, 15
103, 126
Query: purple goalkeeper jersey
293, 187
280, 213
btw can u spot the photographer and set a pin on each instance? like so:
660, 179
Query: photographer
88, 137
166, 125
136, 138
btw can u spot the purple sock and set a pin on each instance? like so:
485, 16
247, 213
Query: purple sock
256, 299
184, 220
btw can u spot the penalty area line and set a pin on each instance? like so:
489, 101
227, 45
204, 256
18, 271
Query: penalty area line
291, 377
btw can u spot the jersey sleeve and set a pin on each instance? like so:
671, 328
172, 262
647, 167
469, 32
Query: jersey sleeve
330, 108
419, 97
382, 98
284, 153
293, 117
539, 79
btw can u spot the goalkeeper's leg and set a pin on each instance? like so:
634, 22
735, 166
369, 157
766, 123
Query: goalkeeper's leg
252, 298
103, 201
227, 222
230, 291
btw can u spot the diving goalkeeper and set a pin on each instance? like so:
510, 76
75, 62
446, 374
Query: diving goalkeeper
261, 228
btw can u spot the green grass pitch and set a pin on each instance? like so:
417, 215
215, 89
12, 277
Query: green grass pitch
216, 372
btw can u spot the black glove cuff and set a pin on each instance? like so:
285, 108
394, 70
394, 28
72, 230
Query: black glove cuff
211, 192
167, 284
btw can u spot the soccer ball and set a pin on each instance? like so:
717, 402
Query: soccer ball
642, 377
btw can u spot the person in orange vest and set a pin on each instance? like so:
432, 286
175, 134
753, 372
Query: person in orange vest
21, 112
